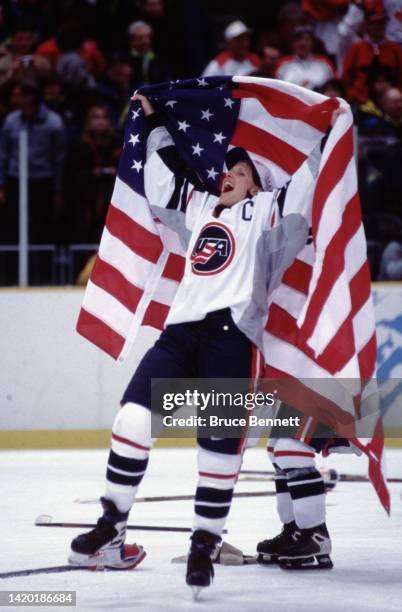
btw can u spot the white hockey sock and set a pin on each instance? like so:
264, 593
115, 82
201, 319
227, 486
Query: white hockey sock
284, 503
304, 482
128, 458
306, 487
217, 476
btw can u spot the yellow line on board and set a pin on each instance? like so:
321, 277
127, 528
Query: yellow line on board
100, 438
72, 438
53, 289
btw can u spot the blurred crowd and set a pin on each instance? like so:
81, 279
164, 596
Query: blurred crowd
68, 68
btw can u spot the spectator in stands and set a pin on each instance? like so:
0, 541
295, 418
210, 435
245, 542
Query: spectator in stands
56, 99
304, 67
90, 174
357, 9
380, 152
392, 107
325, 16
70, 65
391, 261
17, 60
237, 58
153, 9
146, 67
289, 17
28, 10
154, 13
115, 90
393, 8
369, 115
5, 26
89, 51
46, 153
269, 59
371, 55
333, 88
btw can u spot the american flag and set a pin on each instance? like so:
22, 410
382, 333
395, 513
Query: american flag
320, 322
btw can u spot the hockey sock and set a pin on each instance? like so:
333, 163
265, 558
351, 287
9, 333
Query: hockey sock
284, 502
304, 482
307, 490
128, 458
217, 476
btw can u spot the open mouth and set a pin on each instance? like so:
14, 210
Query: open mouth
227, 186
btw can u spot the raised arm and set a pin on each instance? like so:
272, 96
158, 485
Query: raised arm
169, 183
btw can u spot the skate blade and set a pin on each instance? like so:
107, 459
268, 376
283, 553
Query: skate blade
267, 559
319, 562
250, 559
196, 591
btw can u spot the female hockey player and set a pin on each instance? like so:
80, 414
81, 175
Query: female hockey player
238, 247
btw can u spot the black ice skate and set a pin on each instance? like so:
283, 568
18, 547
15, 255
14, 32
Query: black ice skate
268, 550
310, 549
103, 547
200, 571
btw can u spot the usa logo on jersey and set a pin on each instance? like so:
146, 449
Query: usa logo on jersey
213, 250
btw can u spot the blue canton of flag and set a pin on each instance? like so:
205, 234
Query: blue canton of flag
200, 115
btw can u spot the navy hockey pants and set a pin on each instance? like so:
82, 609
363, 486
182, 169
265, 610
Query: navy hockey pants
211, 348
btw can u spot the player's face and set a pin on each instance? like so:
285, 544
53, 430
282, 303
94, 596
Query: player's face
237, 184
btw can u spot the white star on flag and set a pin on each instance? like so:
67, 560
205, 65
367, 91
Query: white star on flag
134, 138
137, 165
136, 113
212, 173
206, 114
183, 126
219, 137
229, 102
197, 149
202, 83
171, 103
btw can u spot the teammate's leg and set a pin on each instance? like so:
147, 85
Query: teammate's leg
309, 544
268, 549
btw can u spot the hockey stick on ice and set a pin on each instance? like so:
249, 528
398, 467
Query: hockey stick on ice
268, 476
55, 569
46, 520
178, 497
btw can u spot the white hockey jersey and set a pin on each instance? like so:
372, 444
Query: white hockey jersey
235, 256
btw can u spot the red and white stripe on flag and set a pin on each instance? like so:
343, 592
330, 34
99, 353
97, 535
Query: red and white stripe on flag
136, 274
321, 321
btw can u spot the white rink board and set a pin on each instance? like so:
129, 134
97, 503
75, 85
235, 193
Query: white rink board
51, 378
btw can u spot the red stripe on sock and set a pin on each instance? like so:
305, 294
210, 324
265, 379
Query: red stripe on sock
129, 442
292, 454
221, 476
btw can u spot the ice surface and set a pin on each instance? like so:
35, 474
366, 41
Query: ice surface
367, 545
